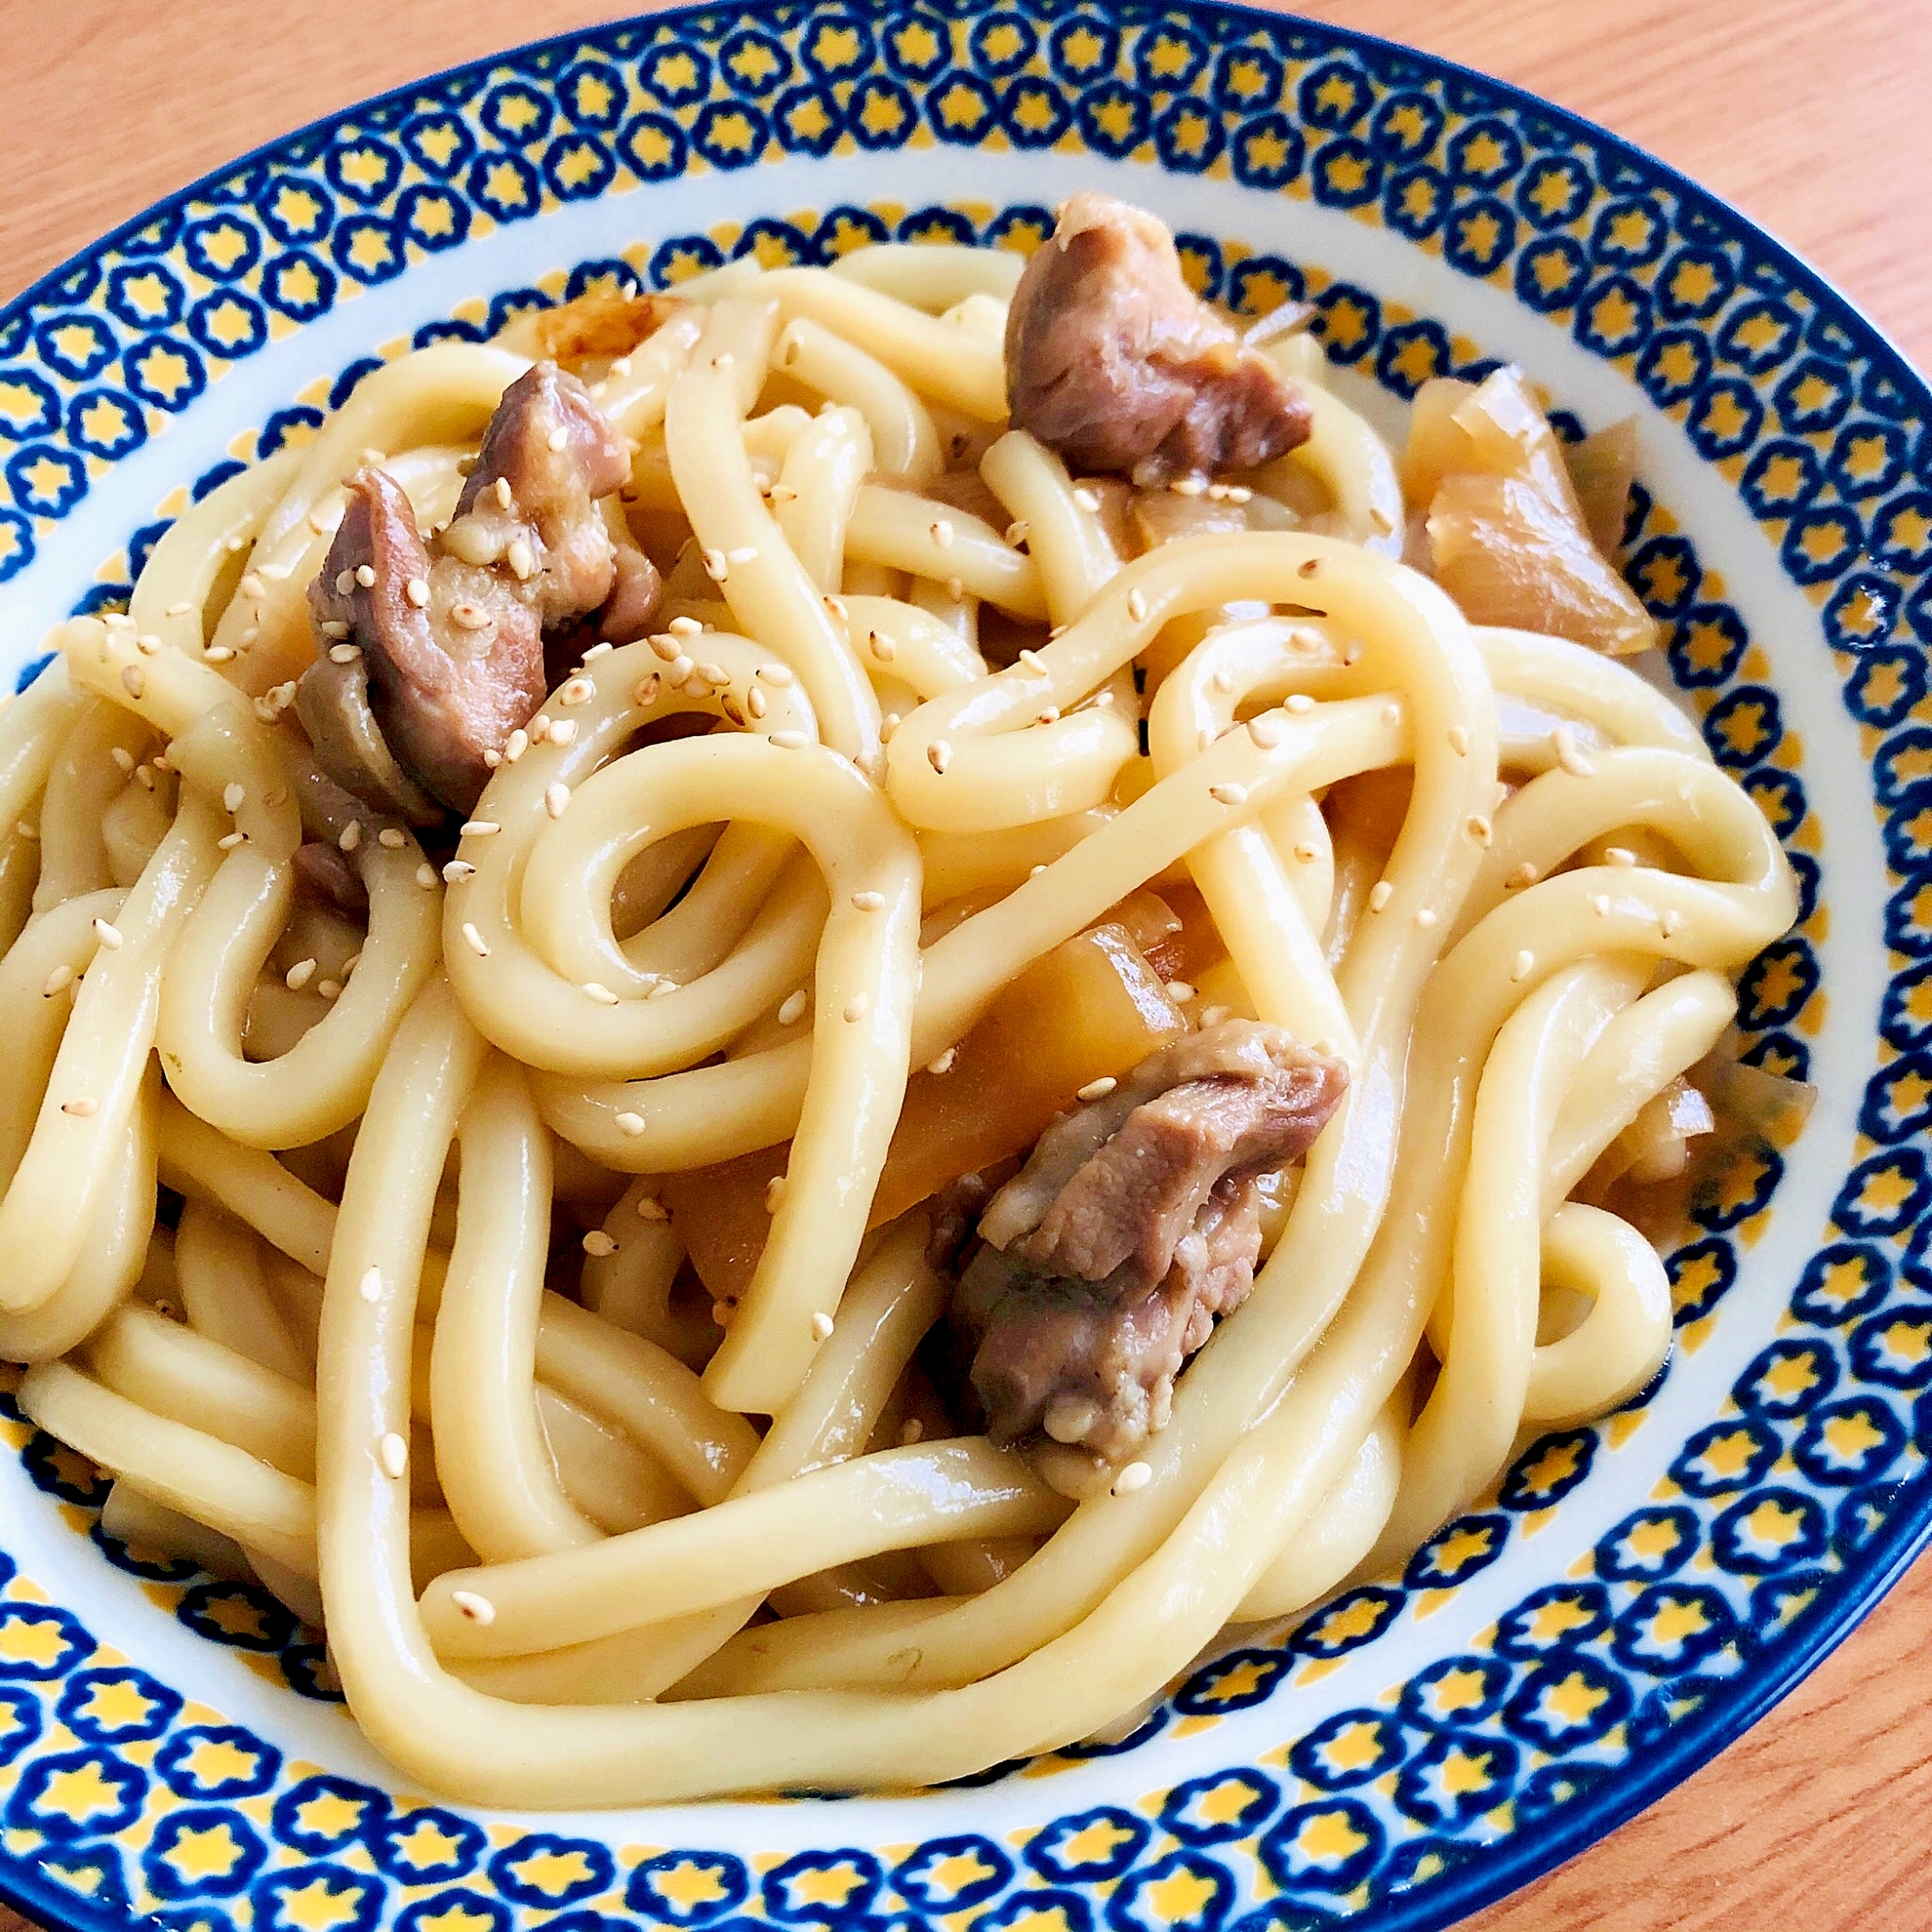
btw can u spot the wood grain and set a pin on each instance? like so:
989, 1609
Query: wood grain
1809, 115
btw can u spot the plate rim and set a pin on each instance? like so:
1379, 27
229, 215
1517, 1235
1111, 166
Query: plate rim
1524, 1856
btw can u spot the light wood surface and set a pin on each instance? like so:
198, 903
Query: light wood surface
1813, 116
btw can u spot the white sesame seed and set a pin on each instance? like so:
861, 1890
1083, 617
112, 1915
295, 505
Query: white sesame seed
1135, 1476
716, 565
366, 575
122, 758
599, 651
742, 553
108, 935
793, 1009
179, 610
298, 975
82, 1109
393, 1453
1671, 921
783, 493
1300, 702
1189, 486
344, 654
563, 731
1222, 679
58, 980
1563, 741
1524, 963
468, 616
955, 589
1097, 1090
477, 1609
476, 940
334, 627
133, 679
232, 796
684, 627
790, 741
480, 828
426, 876
1458, 740
350, 837
369, 1287
1266, 731
390, 838
939, 755
631, 1124
1619, 855
1481, 829
943, 1064
417, 590
1047, 714
229, 840
1306, 850
218, 654
557, 798
600, 992
858, 1007
774, 1189
869, 901
754, 701
662, 989
598, 1244
1600, 904
456, 870
1379, 895
576, 691
1524, 874
941, 533
651, 1209
1424, 917
521, 558
329, 989
779, 674
1136, 607
1017, 532
1228, 794
1034, 662
646, 692
345, 582
821, 1326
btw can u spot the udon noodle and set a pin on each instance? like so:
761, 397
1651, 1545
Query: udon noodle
354, 1242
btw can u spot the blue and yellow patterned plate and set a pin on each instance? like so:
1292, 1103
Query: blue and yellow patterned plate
1637, 1593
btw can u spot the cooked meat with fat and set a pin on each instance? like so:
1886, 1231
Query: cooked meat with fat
1115, 362
1102, 1264
450, 630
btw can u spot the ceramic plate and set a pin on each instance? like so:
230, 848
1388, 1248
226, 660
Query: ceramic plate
1635, 1593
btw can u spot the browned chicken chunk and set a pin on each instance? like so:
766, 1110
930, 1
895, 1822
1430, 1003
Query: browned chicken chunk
449, 633
1115, 362
1102, 1264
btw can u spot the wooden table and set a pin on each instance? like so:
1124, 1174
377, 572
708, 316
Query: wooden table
1811, 115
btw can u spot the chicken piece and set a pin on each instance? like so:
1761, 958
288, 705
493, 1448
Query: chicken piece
1115, 362
450, 631
1102, 1265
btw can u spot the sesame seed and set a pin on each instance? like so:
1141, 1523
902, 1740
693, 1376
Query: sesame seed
939, 755
298, 975
476, 940
515, 746
334, 627
714, 674
1179, 991
821, 1326
1135, 1476
232, 796
557, 798
596, 989
82, 1109
881, 647
417, 590
1379, 895
1017, 532
576, 691
521, 558
754, 701
478, 1610
1524, 961
393, 1453
1672, 921
557, 441
1524, 874
1307, 851
743, 553
1600, 904
218, 654
599, 651
1222, 680
1458, 740
390, 838
955, 589
1097, 1090
662, 989
133, 679
1424, 917
1047, 714
858, 1007
1562, 740
1391, 714
229, 840
783, 493
598, 1244
1300, 702
681, 669
329, 989
57, 982
716, 565
943, 1064
369, 1287
426, 876
1480, 829
366, 575
775, 674
1034, 662
1189, 486
1619, 855
1136, 607
179, 610
108, 935
1312, 568
774, 1189
345, 582
121, 756
684, 627
1213, 1017
1265, 731
793, 1009
631, 1124
1218, 492
563, 732
789, 741
1228, 794
646, 692
869, 901
910, 1432
344, 654
457, 871
651, 1209
352, 835
941, 533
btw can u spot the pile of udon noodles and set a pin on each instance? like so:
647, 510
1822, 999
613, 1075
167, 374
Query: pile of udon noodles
409, 1336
